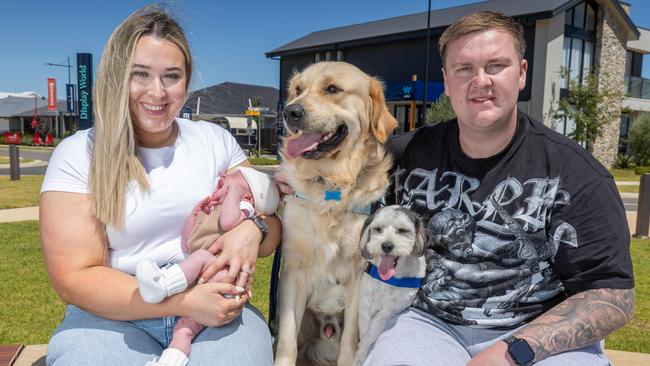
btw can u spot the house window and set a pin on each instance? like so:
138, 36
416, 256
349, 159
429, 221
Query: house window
318, 57
579, 40
582, 16
340, 56
577, 60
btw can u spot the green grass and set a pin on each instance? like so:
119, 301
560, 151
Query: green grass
20, 193
5, 160
30, 310
263, 161
635, 336
624, 175
628, 189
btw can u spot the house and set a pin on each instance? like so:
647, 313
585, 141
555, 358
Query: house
18, 109
580, 36
226, 104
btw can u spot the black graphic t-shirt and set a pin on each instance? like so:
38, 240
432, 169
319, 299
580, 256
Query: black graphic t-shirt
514, 234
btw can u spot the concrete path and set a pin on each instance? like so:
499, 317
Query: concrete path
26, 165
19, 214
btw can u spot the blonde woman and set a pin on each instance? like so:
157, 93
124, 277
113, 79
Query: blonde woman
120, 192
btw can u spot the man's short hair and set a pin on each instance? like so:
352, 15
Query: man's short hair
479, 22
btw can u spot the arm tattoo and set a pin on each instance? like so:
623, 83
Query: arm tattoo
580, 320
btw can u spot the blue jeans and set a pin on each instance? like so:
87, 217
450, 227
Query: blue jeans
85, 339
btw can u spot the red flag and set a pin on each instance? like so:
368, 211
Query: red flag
51, 94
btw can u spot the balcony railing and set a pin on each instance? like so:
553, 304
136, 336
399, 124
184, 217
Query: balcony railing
637, 87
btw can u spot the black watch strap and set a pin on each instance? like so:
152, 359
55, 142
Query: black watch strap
261, 225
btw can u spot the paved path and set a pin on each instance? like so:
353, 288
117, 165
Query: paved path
19, 214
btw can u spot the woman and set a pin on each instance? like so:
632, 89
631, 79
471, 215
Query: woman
120, 192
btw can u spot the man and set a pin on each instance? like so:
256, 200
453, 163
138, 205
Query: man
529, 259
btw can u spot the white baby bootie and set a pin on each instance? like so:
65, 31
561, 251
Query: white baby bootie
170, 357
158, 283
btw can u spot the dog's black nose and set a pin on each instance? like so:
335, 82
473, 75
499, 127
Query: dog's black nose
294, 113
387, 247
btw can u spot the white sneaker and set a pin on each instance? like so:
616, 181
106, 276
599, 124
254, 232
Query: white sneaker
156, 284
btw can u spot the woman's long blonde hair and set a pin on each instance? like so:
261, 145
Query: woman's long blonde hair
115, 160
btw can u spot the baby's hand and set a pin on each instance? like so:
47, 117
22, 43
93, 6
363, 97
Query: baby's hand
213, 274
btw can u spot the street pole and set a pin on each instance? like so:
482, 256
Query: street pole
69, 66
14, 162
259, 135
643, 207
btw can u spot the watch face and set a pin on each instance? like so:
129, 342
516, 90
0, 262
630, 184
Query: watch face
521, 352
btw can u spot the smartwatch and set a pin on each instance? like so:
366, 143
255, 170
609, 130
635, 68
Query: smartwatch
520, 351
261, 225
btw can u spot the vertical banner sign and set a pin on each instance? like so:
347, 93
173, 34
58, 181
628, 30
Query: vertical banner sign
69, 98
51, 94
85, 90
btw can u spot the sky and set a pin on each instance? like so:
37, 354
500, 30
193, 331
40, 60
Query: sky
228, 38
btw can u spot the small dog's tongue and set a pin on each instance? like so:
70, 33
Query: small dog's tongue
387, 267
306, 142
329, 330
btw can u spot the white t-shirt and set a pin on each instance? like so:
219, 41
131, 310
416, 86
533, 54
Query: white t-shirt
179, 176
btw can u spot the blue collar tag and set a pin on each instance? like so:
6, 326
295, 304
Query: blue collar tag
336, 196
332, 195
405, 282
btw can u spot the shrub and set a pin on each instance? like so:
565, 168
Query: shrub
440, 111
640, 170
623, 161
639, 139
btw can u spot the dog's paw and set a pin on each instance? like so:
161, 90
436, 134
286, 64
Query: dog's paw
284, 361
345, 359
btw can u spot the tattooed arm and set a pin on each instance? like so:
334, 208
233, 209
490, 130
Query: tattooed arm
580, 320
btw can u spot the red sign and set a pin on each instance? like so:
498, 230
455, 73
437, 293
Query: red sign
13, 138
51, 94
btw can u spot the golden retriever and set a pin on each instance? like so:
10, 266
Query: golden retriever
333, 156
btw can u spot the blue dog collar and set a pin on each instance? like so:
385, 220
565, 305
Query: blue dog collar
336, 196
405, 282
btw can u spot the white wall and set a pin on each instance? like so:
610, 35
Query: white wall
545, 92
4, 124
636, 104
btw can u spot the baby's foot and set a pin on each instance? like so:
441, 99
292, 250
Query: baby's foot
170, 357
156, 284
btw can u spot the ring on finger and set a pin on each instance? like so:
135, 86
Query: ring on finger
246, 270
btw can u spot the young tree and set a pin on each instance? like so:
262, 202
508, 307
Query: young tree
639, 139
440, 111
586, 105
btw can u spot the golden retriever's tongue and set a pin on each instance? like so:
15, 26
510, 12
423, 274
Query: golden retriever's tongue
387, 267
306, 142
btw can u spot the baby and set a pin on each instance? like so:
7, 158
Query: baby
238, 196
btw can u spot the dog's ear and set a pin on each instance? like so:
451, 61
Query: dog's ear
421, 234
382, 123
365, 237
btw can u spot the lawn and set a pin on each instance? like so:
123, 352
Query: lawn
5, 160
20, 193
628, 189
30, 309
624, 175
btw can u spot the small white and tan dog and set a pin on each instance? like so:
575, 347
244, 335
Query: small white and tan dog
393, 241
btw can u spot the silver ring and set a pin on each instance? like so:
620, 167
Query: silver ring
245, 270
